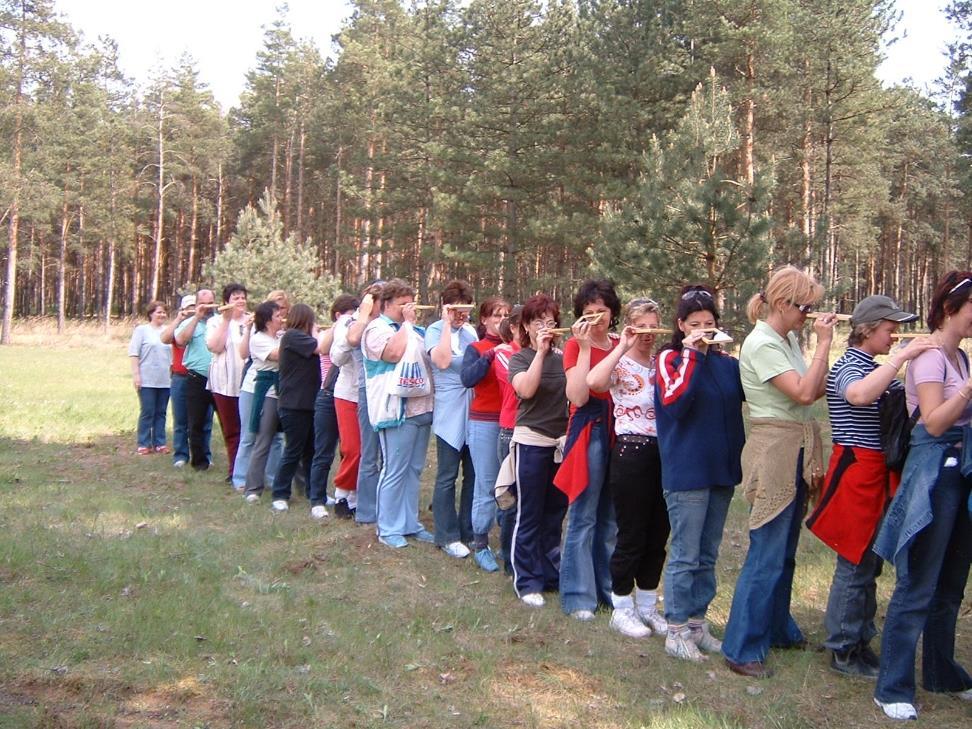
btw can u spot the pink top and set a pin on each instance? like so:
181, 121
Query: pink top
325, 366
933, 366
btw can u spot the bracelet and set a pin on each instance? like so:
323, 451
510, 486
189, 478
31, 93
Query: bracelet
964, 394
818, 359
896, 366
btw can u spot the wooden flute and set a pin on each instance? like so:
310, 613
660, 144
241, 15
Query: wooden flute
650, 330
818, 314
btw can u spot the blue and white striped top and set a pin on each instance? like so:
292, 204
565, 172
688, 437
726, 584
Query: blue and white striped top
853, 425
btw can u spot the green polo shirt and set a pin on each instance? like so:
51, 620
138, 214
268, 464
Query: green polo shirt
764, 355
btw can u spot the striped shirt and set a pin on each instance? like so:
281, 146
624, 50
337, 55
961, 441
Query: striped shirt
853, 425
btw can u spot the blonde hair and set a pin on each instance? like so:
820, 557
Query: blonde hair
279, 296
637, 308
788, 284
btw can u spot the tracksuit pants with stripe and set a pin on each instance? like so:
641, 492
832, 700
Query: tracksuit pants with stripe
540, 510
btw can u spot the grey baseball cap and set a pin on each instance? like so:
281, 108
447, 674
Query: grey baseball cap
877, 307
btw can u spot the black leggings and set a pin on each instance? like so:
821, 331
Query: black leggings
642, 516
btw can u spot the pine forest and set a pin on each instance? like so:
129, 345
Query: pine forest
518, 144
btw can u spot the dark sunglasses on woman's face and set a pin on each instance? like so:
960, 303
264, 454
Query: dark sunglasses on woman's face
804, 308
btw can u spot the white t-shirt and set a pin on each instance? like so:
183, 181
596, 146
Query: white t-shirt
633, 393
261, 345
226, 368
346, 386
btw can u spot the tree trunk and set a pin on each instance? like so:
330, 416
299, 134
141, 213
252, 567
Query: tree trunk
10, 285
62, 264
160, 211
300, 183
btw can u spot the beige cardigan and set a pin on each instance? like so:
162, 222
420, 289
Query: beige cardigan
769, 464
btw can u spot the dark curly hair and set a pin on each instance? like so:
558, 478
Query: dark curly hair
595, 289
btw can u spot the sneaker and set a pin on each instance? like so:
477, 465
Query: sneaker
395, 541
679, 644
902, 711
963, 695
424, 535
329, 501
485, 559
533, 599
626, 622
162, 449
585, 616
178, 464
456, 549
706, 642
342, 510
202, 467
252, 498
143, 451
318, 512
280, 505
850, 663
653, 619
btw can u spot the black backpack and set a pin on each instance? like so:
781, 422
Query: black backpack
896, 427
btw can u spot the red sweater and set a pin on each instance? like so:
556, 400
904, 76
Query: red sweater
487, 397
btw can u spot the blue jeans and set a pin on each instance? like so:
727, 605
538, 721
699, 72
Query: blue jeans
325, 443
506, 518
403, 452
482, 438
931, 577
852, 604
180, 422
247, 441
697, 518
153, 402
368, 467
451, 526
760, 614
585, 565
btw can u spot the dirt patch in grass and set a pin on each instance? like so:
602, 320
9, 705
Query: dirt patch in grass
76, 700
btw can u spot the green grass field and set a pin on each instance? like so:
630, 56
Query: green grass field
133, 594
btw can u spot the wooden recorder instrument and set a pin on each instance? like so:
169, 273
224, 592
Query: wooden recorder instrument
818, 314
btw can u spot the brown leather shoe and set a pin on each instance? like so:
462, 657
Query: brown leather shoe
753, 669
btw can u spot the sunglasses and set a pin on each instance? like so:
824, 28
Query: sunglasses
642, 302
803, 308
696, 294
960, 284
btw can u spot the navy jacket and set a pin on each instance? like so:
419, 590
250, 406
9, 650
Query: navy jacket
698, 410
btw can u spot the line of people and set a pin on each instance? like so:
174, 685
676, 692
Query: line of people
613, 460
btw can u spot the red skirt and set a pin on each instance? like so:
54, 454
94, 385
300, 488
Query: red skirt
857, 490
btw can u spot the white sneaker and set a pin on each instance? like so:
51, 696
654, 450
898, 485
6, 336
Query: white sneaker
179, 464
901, 711
627, 623
318, 512
585, 616
280, 505
456, 549
679, 644
533, 599
252, 498
706, 642
964, 695
650, 616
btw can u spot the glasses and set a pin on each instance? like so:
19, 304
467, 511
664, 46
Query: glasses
548, 324
959, 285
803, 308
696, 294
